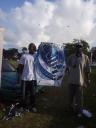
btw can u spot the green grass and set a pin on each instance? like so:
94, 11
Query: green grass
13, 63
52, 106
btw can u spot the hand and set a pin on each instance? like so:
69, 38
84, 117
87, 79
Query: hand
87, 84
67, 70
89, 81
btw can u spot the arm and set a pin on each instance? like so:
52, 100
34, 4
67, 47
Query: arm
20, 68
34, 66
67, 66
87, 71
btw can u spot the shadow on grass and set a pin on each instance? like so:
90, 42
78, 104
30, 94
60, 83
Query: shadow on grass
52, 107
54, 102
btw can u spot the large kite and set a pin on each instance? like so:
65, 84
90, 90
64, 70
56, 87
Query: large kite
50, 64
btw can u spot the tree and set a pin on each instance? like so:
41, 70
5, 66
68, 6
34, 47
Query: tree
10, 53
85, 46
70, 47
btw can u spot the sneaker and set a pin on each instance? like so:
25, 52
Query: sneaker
34, 109
79, 115
81, 126
86, 113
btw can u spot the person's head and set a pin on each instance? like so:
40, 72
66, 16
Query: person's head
79, 47
32, 48
24, 50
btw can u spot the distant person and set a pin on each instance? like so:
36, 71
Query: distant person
78, 76
27, 69
24, 50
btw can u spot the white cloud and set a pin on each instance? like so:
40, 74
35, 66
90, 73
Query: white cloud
58, 21
2, 15
73, 19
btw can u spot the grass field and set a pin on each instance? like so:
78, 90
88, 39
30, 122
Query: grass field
52, 106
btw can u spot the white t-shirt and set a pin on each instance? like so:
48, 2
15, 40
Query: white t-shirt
29, 68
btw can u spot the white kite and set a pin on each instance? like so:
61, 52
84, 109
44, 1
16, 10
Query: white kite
50, 64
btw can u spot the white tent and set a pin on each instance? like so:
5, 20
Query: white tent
1, 47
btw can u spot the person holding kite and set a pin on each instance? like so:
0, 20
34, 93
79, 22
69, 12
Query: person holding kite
78, 69
28, 76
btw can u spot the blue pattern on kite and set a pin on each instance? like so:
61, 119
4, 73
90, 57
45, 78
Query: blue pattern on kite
53, 57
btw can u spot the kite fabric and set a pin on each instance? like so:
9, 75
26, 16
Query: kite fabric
50, 64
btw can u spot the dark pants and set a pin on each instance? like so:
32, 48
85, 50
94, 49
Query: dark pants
28, 91
75, 96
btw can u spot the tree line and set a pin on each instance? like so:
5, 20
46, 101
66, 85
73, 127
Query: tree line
69, 47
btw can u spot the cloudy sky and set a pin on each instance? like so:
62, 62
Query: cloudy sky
57, 21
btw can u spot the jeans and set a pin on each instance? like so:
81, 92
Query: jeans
28, 91
76, 96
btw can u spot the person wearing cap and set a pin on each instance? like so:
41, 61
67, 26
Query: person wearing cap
27, 69
78, 76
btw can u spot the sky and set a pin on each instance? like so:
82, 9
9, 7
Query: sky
57, 21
